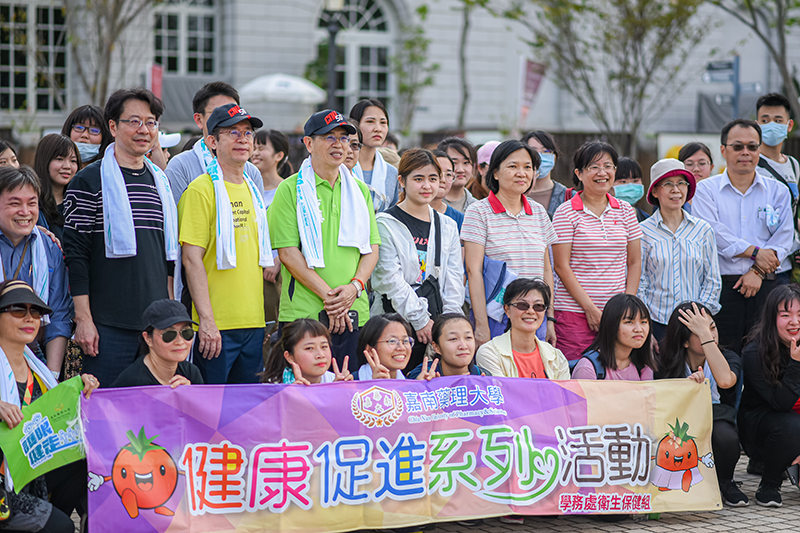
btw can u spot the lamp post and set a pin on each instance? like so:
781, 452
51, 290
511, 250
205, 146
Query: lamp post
332, 7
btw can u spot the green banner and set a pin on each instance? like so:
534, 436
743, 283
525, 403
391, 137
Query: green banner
48, 437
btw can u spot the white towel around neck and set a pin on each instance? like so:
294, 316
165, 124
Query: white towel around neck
9, 392
379, 171
225, 232
354, 229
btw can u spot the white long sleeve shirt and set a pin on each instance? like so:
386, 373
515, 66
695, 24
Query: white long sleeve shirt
762, 217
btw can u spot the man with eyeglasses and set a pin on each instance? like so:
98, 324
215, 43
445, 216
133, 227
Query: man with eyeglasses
28, 255
225, 243
751, 216
186, 166
120, 237
322, 223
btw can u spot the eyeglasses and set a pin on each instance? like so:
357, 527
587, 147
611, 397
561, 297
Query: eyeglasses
524, 306
136, 123
738, 147
673, 185
394, 343
170, 335
236, 134
19, 311
699, 164
594, 169
355, 146
333, 139
80, 128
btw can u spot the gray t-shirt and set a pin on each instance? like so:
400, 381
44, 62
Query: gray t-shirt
183, 168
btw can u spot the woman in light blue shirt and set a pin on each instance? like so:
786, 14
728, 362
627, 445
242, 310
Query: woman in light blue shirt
679, 251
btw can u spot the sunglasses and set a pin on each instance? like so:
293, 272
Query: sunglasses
524, 306
170, 335
19, 311
738, 147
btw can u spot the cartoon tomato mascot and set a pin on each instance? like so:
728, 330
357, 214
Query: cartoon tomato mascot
677, 460
144, 475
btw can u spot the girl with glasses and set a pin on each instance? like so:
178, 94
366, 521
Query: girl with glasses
697, 159
679, 251
518, 352
384, 348
598, 253
622, 349
87, 127
166, 342
302, 355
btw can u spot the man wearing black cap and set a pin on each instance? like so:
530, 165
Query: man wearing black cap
225, 243
322, 223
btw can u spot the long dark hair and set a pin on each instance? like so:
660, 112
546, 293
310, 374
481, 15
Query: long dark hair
617, 309
280, 143
50, 147
773, 353
371, 333
291, 335
673, 353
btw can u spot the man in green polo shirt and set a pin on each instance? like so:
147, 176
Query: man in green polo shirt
332, 288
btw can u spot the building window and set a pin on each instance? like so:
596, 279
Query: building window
186, 36
32, 77
364, 46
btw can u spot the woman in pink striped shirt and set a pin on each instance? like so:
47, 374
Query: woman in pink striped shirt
597, 254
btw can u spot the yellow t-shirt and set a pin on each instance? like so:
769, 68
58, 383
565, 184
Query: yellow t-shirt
237, 296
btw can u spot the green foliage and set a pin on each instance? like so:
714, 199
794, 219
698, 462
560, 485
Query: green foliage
620, 59
680, 431
317, 70
413, 73
141, 444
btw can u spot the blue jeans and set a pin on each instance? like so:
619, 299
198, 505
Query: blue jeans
117, 351
239, 360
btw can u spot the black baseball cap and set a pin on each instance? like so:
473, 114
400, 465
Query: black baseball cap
228, 115
325, 122
162, 314
18, 292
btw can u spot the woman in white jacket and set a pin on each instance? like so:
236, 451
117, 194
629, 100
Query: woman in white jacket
408, 256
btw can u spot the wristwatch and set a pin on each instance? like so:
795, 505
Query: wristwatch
357, 285
755, 253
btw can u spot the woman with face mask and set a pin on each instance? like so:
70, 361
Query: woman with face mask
89, 131
679, 251
628, 184
545, 191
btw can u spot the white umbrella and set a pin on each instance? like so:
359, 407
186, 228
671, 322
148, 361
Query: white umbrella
283, 88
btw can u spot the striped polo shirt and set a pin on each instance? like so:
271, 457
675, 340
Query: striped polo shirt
520, 240
599, 249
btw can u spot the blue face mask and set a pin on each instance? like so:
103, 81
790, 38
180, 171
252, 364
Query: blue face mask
772, 133
87, 151
548, 162
630, 192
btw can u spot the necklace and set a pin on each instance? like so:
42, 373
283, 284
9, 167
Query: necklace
137, 174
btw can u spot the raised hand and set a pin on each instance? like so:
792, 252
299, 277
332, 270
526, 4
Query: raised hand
374, 361
298, 375
697, 321
345, 374
426, 373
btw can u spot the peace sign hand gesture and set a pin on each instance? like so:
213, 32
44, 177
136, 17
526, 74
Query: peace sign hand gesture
345, 374
426, 373
378, 370
298, 375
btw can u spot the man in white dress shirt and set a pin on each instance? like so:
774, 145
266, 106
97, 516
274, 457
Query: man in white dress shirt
752, 220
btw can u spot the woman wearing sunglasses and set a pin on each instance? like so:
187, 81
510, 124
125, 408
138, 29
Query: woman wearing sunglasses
24, 380
518, 352
167, 339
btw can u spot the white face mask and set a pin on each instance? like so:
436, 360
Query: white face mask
87, 151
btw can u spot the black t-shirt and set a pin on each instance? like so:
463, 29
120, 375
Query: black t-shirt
420, 230
138, 375
119, 289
